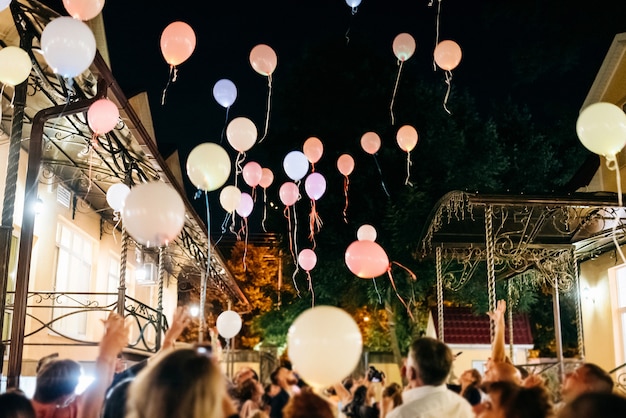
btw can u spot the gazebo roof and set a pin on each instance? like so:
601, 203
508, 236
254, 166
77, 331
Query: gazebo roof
530, 232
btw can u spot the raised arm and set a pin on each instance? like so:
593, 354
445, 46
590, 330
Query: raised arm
498, 351
181, 319
113, 341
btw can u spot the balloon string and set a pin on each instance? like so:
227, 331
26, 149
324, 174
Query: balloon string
12, 98
445, 99
293, 276
413, 276
295, 233
269, 101
308, 277
288, 216
118, 221
395, 89
232, 226
347, 35
170, 79
208, 234
224, 127
245, 248
238, 168
381, 175
408, 169
380, 299
612, 164
315, 222
264, 210
346, 183
393, 284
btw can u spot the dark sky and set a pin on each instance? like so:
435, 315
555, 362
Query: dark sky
541, 53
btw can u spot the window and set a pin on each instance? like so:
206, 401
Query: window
73, 274
113, 280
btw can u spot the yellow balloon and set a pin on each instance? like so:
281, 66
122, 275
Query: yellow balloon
230, 197
15, 65
601, 128
208, 166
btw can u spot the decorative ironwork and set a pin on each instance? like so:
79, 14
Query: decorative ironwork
48, 309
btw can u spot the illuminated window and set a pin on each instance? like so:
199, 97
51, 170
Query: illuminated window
73, 275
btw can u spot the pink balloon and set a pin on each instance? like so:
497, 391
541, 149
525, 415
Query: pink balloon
345, 164
315, 185
267, 178
289, 193
447, 55
246, 204
83, 9
403, 46
102, 116
263, 59
370, 142
307, 259
252, 173
178, 40
366, 259
407, 138
313, 149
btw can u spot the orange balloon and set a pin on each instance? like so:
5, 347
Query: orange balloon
178, 41
267, 178
447, 55
263, 59
370, 142
403, 46
313, 149
345, 164
407, 138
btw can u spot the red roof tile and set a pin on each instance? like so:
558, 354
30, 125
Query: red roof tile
462, 326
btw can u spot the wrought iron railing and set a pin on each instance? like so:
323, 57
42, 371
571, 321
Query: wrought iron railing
619, 376
62, 313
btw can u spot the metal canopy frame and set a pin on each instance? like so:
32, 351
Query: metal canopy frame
539, 237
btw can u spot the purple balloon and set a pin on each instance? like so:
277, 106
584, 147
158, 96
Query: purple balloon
315, 185
245, 205
225, 92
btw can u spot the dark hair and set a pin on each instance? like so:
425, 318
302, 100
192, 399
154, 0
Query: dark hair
55, 379
358, 400
393, 391
598, 378
307, 404
247, 389
521, 402
15, 405
595, 405
115, 402
433, 360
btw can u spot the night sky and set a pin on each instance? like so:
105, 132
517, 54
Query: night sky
544, 54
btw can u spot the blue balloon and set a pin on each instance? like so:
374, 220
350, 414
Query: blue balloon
225, 92
353, 3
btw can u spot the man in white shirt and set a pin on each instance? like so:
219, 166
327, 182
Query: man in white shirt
426, 396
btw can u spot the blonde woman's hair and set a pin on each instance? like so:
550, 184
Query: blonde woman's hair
182, 383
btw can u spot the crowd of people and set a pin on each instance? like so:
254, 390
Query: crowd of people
189, 382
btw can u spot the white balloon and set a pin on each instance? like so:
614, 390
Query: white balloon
296, 165
225, 92
353, 3
324, 345
68, 45
230, 198
366, 233
15, 65
153, 213
228, 324
601, 128
116, 196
